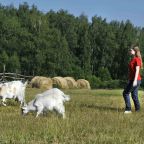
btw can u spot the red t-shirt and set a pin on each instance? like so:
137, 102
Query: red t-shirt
132, 68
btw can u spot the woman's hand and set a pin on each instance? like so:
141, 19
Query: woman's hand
134, 83
136, 76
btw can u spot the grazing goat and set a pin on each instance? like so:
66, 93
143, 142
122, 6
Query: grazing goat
13, 89
52, 99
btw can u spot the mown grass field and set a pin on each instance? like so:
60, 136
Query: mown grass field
93, 117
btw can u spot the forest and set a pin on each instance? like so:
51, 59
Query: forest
60, 44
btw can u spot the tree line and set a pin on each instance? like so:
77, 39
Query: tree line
60, 44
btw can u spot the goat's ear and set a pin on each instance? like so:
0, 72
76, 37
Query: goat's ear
24, 104
23, 107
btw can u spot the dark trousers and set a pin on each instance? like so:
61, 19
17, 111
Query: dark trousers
134, 93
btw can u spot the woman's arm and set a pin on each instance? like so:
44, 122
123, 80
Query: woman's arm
136, 76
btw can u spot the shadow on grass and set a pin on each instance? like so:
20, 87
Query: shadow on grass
102, 108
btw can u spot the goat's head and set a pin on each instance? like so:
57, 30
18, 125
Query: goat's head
24, 110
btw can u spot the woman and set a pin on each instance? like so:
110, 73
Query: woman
134, 81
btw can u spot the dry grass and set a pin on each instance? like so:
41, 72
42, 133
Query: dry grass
72, 84
83, 84
41, 82
60, 82
93, 117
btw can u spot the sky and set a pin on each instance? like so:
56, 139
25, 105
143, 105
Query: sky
120, 10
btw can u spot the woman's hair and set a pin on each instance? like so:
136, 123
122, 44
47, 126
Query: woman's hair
138, 54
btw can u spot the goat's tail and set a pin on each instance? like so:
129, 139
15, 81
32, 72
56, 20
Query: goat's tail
66, 97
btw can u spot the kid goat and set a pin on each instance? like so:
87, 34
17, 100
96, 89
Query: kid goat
52, 99
13, 89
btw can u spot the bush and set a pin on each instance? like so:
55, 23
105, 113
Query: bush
95, 82
104, 74
113, 84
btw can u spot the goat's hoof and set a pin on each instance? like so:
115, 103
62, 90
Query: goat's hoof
64, 117
4, 104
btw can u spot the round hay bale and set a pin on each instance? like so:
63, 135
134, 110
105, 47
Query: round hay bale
42, 82
45, 82
71, 82
60, 82
83, 84
34, 82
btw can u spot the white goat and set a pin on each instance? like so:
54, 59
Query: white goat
52, 99
14, 89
